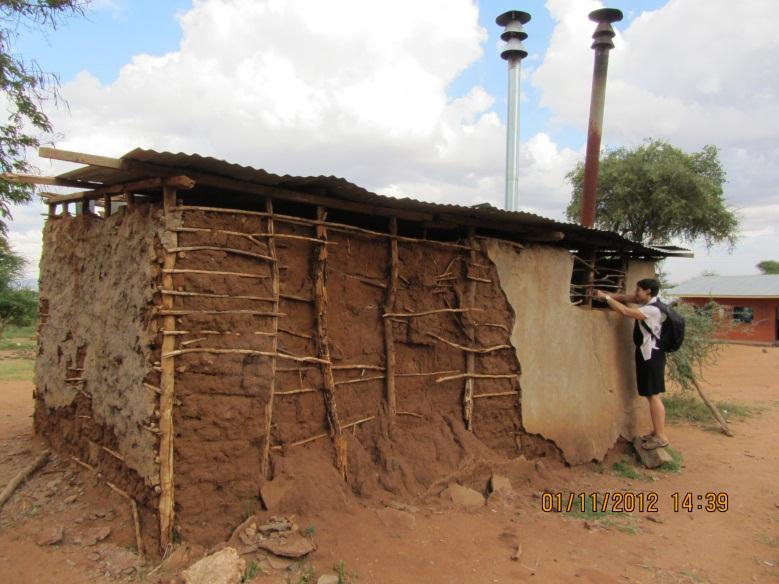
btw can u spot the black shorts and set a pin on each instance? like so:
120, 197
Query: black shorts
650, 375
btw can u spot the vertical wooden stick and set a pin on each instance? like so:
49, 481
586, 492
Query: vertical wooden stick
323, 343
130, 201
470, 331
389, 304
52, 210
107, 205
276, 293
167, 383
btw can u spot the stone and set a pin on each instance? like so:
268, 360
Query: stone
71, 499
273, 492
222, 567
651, 458
328, 579
463, 496
519, 471
49, 535
292, 545
396, 520
92, 536
499, 483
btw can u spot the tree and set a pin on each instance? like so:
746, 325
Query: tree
23, 89
698, 350
656, 192
768, 267
17, 306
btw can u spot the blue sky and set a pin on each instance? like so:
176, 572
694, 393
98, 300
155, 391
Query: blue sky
408, 98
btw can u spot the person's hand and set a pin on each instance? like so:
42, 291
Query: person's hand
600, 294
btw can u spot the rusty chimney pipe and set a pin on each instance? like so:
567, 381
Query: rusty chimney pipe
513, 52
602, 44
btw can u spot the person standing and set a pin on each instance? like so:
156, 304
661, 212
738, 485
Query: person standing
650, 360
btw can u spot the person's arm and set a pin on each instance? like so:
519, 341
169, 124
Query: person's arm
618, 306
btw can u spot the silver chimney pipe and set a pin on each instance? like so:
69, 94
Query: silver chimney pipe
513, 52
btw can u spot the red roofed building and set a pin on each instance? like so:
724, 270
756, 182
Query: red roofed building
752, 302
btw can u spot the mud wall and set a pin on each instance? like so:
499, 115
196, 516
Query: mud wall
220, 429
95, 343
578, 376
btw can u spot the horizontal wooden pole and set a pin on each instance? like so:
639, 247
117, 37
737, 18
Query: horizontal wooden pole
277, 354
428, 312
33, 179
231, 250
216, 273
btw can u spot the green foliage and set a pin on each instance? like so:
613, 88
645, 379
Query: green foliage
656, 192
680, 408
18, 307
251, 571
676, 464
17, 369
344, 577
768, 267
699, 348
624, 468
24, 87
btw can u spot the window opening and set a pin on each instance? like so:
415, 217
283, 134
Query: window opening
596, 270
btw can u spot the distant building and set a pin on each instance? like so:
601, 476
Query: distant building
752, 302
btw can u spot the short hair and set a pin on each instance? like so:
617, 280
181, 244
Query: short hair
649, 284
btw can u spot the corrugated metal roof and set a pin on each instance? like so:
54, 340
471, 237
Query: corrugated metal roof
763, 286
340, 188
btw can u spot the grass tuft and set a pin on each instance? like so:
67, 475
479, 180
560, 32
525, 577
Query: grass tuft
682, 408
676, 464
624, 468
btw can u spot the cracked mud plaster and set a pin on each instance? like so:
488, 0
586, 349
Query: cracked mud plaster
578, 379
98, 278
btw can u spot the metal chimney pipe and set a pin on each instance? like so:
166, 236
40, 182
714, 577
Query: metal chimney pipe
513, 52
603, 35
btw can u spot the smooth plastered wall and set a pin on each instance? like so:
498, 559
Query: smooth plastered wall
578, 378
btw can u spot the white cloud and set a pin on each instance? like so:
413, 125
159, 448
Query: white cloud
308, 87
685, 74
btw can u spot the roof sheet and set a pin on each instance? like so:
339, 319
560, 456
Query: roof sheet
340, 188
733, 286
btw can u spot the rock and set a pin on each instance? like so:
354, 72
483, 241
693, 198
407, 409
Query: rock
500, 483
278, 563
654, 518
328, 579
463, 496
273, 492
292, 545
397, 520
92, 536
49, 536
402, 506
223, 567
651, 458
71, 499
519, 471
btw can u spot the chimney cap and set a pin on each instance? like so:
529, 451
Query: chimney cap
507, 17
606, 15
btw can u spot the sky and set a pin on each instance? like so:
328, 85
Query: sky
408, 98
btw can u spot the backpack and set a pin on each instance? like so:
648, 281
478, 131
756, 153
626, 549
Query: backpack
671, 331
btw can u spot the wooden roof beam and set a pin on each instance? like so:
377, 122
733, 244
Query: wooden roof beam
157, 183
231, 184
34, 179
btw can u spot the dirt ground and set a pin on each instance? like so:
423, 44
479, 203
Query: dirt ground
430, 540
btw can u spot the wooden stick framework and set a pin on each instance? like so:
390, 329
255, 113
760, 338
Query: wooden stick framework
470, 333
389, 304
323, 344
167, 384
276, 283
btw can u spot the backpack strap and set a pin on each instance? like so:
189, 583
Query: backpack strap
653, 335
